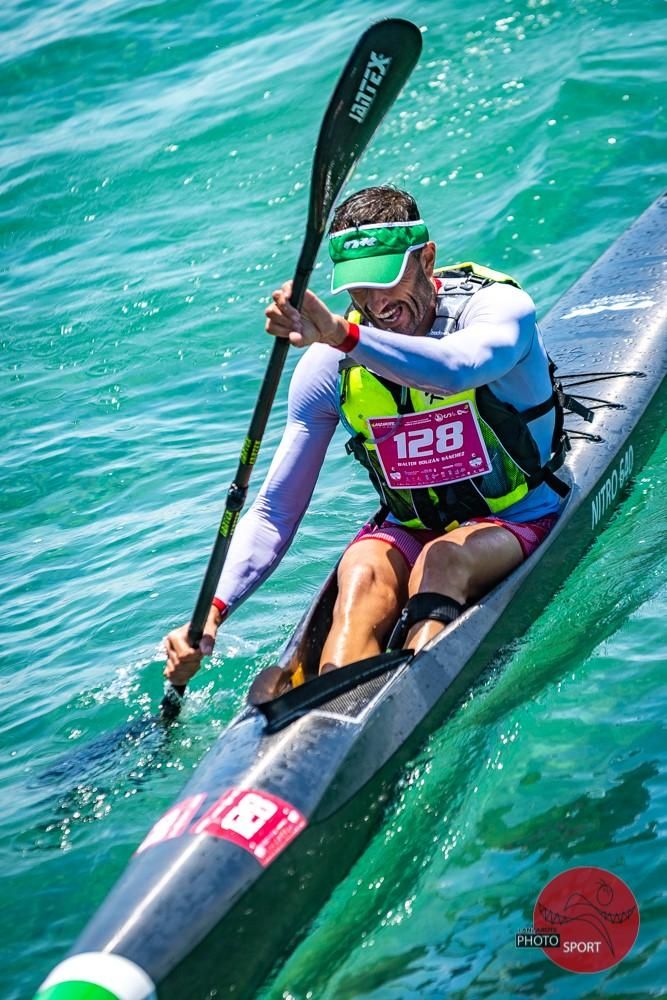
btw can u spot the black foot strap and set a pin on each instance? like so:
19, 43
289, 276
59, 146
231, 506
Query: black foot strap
427, 606
287, 705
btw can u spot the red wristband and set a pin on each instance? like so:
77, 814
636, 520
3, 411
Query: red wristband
351, 340
220, 605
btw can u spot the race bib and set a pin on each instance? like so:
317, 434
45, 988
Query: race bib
434, 448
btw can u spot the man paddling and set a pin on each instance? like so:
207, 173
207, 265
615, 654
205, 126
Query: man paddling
443, 382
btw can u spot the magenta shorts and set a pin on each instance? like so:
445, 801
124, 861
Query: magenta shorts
410, 541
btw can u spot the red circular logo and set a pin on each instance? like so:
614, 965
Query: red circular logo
595, 914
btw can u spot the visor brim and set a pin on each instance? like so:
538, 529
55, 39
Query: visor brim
383, 271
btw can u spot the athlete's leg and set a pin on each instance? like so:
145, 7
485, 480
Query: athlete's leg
372, 588
464, 564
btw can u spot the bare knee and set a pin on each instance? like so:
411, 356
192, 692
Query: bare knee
444, 567
361, 582
374, 575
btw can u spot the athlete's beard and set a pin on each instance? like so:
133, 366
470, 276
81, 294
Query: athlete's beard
415, 305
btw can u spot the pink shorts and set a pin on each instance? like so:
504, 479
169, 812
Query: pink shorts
410, 541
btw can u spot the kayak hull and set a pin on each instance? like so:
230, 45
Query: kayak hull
226, 882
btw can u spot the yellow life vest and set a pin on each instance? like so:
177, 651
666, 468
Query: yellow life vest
516, 465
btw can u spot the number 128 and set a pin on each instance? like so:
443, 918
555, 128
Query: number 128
419, 444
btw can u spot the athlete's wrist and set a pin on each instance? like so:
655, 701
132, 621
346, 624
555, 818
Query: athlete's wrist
217, 613
347, 335
336, 332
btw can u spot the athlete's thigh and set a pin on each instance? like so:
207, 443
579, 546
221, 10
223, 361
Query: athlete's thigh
483, 553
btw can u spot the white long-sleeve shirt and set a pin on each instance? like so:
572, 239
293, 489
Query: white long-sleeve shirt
497, 344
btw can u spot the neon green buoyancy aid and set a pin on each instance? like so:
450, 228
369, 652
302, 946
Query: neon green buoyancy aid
516, 465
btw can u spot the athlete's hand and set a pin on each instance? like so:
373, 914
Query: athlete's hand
315, 323
183, 661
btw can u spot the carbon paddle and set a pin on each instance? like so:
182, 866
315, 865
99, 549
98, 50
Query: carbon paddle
372, 79
377, 69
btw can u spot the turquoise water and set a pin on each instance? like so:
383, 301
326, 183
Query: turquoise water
154, 165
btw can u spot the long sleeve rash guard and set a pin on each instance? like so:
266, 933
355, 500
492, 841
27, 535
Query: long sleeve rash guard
497, 344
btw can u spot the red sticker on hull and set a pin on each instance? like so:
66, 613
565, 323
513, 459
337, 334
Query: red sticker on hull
174, 822
260, 823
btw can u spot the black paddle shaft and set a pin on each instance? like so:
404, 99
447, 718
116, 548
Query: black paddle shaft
381, 62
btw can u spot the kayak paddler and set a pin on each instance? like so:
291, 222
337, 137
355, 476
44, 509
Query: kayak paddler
442, 380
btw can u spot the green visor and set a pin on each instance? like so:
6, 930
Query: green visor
374, 256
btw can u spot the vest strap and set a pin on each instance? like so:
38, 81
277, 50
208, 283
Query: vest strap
556, 484
380, 515
547, 472
574, 406
346, 362
540, 409
464, 498
426, 510
355, 446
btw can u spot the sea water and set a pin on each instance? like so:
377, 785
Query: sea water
154, 171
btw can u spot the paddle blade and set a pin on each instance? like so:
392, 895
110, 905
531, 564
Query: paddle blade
381, 62
101, 754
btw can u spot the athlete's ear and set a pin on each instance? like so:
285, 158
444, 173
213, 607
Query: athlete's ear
428, 258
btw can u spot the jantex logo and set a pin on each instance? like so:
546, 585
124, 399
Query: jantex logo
374, 74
